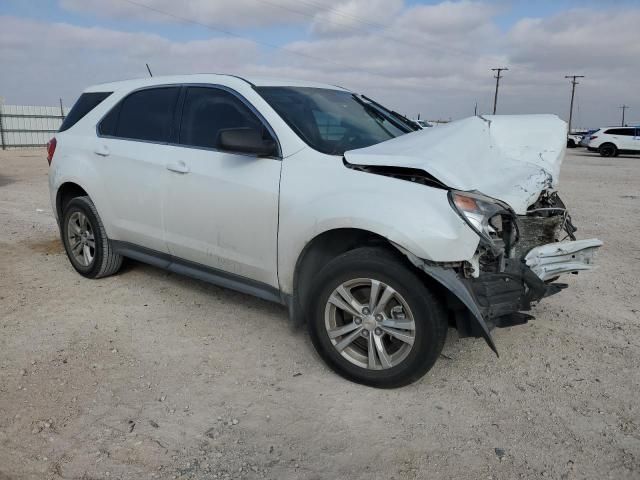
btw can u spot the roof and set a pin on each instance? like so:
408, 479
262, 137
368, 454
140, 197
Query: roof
228, 80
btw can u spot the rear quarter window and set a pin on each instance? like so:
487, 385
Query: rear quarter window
87, 102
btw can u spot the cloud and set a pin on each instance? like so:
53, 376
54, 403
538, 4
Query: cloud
432, 59
356, 16
60, 60
236, 13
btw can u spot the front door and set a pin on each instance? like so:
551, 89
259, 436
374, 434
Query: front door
221, 208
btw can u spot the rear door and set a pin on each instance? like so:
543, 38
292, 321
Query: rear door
133, 154
221, 208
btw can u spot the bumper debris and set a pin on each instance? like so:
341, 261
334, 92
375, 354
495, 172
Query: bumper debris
549, 261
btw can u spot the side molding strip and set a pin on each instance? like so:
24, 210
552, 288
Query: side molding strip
198, 271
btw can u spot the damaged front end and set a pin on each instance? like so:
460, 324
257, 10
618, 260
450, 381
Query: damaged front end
526, 238
518, 261
519, 258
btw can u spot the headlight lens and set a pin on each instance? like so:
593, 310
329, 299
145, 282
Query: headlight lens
477, 210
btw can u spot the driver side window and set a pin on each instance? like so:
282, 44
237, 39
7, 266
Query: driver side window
207, 111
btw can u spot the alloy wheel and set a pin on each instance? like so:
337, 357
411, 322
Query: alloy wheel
370, 324
80, 238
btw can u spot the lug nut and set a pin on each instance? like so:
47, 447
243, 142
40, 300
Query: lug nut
366, 311
357, 320
379, 318
365, 333
378, 331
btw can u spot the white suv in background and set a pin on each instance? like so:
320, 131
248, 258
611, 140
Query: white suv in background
611, 141
378, 234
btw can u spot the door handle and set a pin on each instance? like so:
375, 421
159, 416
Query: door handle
102, 150
178, 167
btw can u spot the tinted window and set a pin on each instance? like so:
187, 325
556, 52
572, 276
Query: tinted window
109, 123
84, 104
143, 115
332, 121
620, 131
207, 111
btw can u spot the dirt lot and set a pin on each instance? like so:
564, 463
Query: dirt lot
148, 374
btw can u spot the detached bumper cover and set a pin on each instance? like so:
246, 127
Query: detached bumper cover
549, 261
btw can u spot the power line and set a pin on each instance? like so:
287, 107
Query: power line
232, 34
352, 28
573, 92
623, 107
344, 15
498, 77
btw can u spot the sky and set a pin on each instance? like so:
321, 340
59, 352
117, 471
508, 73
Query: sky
432, 58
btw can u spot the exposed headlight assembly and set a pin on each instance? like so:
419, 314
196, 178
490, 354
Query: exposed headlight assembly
482, 213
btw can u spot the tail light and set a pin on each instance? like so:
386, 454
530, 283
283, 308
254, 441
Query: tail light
593, 137
51, 149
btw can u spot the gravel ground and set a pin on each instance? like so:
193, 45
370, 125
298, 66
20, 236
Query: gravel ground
147, 374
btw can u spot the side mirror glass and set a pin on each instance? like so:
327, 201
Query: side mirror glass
246, 140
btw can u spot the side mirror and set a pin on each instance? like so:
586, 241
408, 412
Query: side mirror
246, 140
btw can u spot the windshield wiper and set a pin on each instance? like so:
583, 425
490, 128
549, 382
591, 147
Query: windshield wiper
413, 126
373, 111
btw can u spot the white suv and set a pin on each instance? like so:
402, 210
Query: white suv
611, 141
377, 234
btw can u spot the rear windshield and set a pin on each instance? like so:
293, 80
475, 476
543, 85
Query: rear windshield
334, 121
86, 103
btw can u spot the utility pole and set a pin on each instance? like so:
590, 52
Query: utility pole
497, 77
623, 107
573, 92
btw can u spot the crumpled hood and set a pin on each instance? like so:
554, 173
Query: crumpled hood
509, 157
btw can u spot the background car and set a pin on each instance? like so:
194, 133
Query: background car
574, 138
610, 141
586, 137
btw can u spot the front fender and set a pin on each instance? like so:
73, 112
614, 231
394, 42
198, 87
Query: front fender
318, 194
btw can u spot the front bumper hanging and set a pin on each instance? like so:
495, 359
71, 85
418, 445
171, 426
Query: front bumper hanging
549, 261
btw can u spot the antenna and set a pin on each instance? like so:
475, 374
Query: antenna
149, 70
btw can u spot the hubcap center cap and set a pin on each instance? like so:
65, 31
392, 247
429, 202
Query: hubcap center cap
369, 322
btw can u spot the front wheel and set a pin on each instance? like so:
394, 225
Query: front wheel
373, 321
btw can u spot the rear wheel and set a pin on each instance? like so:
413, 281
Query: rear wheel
608, 150
373, 321
85, 240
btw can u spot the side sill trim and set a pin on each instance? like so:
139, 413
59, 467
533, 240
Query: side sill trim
198, 271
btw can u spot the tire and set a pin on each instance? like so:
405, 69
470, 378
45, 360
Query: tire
412, 305
571, 143
88, 248
608, 150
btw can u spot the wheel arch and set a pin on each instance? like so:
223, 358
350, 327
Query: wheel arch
65, 193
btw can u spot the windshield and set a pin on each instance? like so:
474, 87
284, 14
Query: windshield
334, 121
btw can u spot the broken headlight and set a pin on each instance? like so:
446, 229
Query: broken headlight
483, 214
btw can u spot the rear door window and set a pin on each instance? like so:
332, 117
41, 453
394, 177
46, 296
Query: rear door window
207, 111
144, 115
87, 102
